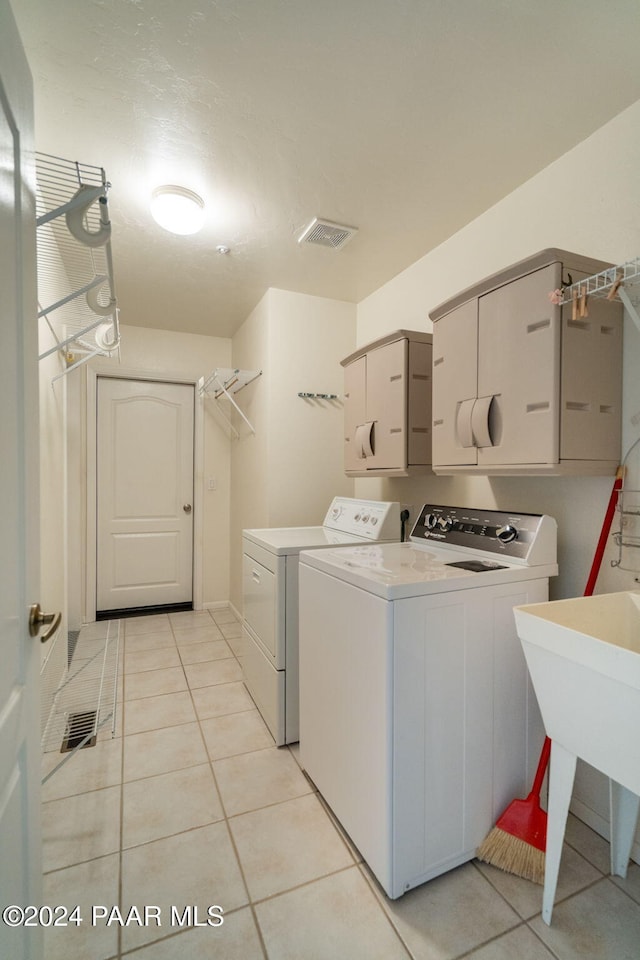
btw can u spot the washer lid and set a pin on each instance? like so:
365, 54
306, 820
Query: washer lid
283, 541
399, 570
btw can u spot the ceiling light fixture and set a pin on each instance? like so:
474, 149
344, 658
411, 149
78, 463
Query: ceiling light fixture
177, 209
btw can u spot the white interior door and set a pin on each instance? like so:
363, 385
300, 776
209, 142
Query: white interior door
20, 852
144, 493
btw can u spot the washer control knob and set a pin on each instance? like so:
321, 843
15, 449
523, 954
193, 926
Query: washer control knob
430, 521
445, 523
506, 534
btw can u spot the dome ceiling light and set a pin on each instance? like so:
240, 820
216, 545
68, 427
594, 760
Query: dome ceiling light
177, 209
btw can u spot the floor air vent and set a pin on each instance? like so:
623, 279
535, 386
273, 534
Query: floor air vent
79, 725
324, 233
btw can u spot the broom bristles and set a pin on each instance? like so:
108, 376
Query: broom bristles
513, 855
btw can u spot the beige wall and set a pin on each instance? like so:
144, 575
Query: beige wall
249, 496
308, 338
588, 202
287, 473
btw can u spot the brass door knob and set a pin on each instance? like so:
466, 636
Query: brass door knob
187, 508
38, 620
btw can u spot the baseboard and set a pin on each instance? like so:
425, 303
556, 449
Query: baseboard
222, 605
599, 824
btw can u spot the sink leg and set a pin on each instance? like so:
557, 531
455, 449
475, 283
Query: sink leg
561, 775
623, 806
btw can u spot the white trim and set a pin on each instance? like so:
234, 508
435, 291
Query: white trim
128, 373
599, 824
90, 533
198, 499
235, 611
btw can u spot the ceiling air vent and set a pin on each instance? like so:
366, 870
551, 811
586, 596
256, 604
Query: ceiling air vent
327, 234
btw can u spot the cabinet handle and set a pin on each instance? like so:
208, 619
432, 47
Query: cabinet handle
480, 422
464, 431
364, 440
256, 576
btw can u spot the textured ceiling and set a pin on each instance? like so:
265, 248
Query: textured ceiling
404, 118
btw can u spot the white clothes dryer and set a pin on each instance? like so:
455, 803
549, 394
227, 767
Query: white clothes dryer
270, 600
418, 722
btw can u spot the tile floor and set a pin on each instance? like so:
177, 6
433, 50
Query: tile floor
191, 805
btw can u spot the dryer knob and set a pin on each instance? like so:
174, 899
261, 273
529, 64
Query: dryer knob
506, 534
445, 523
430, 521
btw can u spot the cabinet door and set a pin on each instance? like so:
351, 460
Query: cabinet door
354, 410
387, 405
591, 383
519, 368
419, 403
455, 366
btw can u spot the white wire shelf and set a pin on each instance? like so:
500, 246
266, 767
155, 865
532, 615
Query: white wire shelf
80, 699
612, 284
223, 382
76, 290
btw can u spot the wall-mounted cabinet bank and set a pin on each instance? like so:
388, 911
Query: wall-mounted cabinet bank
387, 406
522, 385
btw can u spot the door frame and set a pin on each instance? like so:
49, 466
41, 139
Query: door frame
129, 373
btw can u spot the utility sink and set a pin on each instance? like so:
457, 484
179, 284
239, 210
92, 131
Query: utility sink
584, 659
583, 656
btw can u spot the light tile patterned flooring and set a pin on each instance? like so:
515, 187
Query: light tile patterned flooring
192, 805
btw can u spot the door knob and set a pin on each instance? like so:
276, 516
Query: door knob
38, 619
187, 508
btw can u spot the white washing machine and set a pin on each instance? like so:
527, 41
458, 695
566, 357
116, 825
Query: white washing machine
418, 722
270, 600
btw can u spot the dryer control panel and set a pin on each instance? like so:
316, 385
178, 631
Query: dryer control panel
530, 537
373, 519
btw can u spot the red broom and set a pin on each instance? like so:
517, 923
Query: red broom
518, 841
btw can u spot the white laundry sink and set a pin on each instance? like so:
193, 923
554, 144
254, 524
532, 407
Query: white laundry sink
584, 659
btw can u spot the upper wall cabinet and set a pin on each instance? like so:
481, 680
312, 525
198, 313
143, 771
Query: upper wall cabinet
387, 406
522, 385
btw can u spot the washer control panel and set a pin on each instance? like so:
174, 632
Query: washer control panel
521, 536
373, 519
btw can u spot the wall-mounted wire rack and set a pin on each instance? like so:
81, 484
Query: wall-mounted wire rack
612, 284
76, 290
628, 536
223, 382
319, 396
80, 699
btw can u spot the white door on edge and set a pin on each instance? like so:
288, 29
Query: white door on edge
144, 493
20, 845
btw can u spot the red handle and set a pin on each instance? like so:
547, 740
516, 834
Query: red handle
542, 768
588, 591
604, 533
